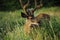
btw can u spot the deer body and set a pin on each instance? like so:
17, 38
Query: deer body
30, 23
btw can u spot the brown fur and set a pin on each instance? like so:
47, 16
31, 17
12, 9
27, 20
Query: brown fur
27, 27
40, 16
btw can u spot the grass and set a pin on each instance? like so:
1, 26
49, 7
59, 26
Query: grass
11, 26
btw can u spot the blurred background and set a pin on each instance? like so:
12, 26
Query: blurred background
8, 5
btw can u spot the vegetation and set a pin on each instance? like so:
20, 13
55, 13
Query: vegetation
11, 26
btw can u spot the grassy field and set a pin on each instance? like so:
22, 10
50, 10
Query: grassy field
11, 26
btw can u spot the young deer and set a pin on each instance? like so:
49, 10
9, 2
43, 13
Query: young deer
31, 20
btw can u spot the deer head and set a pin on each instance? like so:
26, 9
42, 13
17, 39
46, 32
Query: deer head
29, 12
31, 20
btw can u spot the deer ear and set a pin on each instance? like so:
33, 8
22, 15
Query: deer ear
23, 15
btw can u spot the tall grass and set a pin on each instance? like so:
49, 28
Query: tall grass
11, 26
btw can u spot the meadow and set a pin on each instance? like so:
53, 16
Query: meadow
11, 25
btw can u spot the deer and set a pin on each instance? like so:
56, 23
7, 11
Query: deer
31, 20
